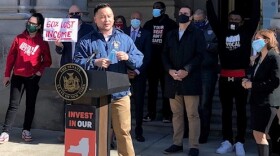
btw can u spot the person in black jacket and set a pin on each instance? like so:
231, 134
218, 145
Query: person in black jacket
158, 27
209, 73
234, 46
138, 77
182, 57
66, 49
264, 80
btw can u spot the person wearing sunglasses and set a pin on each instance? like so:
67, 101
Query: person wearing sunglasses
66, 49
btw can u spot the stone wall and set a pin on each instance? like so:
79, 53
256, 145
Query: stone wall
126, 7
13, 15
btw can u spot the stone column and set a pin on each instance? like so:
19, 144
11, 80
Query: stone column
271, 14
24, 6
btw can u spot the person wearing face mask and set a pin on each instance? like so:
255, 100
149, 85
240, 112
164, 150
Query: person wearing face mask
265, 76
120, 22
138, 77
158, 26
234, 47
27, 59
67, 49
182, 57
209, 73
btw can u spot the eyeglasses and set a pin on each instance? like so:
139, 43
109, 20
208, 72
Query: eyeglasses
32, 24
74, 13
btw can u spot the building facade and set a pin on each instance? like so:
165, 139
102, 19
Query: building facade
13, 15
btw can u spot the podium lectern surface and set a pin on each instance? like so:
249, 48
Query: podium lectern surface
100, 85
100, 82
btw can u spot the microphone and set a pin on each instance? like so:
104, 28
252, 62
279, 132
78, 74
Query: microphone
92, 55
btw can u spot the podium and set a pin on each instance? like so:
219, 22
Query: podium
90, 114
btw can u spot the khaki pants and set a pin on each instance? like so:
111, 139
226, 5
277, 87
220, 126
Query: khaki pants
121, 120
190, 103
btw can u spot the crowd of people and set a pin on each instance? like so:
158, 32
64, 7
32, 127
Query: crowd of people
186, 58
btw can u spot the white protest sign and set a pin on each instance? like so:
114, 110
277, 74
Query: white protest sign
64, 29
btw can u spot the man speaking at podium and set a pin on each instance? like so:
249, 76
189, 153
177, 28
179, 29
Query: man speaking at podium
111, 50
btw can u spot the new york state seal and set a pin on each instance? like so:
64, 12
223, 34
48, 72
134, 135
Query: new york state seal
71, 81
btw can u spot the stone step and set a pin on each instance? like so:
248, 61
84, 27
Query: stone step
216, 118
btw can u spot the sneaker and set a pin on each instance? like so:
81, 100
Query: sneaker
26, 135
148, 118
239, 149
4, 137
225, 147
193, 152
166, 120
173, 149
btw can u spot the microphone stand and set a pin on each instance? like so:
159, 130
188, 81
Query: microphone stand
90, 58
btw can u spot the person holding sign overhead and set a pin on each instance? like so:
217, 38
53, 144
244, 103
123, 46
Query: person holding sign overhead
66, 49
29, 55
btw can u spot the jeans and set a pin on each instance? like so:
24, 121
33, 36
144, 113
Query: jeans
209, 79
232, 90
20, 84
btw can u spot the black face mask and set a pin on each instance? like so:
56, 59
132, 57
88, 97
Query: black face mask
233, 25
183, 18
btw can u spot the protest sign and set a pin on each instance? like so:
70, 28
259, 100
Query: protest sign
63, 29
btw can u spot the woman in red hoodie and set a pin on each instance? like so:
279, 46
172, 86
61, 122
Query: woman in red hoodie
26, 61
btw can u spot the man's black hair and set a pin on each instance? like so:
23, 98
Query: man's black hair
236, 12
161, 4
186, 6
100, 6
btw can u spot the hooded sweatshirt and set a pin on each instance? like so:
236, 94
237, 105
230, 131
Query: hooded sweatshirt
28, 55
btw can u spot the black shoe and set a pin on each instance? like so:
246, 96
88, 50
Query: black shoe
148, 118
202, 140
193, 152
173, 149
140, 138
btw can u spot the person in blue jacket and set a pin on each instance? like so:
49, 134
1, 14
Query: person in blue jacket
110, 49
